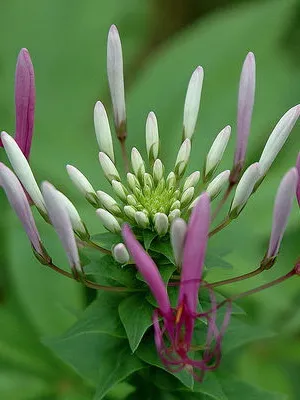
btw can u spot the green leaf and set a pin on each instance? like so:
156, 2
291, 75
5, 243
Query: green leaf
136, 315
147, 352
106, 267
107, 239
148, 237
213, 260
163, 247
237, 390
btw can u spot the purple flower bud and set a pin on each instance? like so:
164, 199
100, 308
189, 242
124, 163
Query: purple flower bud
148, 269
194, 253
24, 101
245, 107
282, 209
61, 222
298, 186
18, 200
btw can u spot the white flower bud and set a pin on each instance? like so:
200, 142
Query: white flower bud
191, 180
120, 253
216, 151
82, 184
193, 203
192, 103
108, 221
174, 214
137, 163
77, 224
158, 171
109, 203
131, 200
216, 185
120, 190
161, 223
177, 236
183, 158
277, 139
133, 182
108, 167
116, 80
103, 133
130, 212
244, 189
152, 138
141, 219
175, 205
23, 171
171, 180
187, 196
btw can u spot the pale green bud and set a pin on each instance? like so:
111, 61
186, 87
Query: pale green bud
120, 190
133, 182
152, 138
216, 152
177, 237
108, 167
148, 180
109, 203
108, 221
174, 214
130, 212
158, 171
183, 158
216, 185
131, 200
187, 197
175, 205
103, 133
191, 180
193, 203
161, 223
137, 163
141, 219
120, 253
83, 185
171, 180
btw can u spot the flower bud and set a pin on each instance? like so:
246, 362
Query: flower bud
216, 152
116, 80
177, 236
120, 190
141, 219
131, 200
148, 180
109, 203
77, 224
244, 189
23, 171
187, 197
215, 187
103, 133
108, 221
174, 214
137, 163
175, 205
282, 209
277, 139
192, 103
120, 253
183, 158
108, 167
161, 223
83, 185
133, 182
158, 171
191, 180
171, 180
130, 212
152, 138
193, 203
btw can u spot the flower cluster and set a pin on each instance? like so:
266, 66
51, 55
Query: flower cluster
156, 202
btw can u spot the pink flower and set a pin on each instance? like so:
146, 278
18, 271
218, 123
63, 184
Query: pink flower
174, 334
298, 186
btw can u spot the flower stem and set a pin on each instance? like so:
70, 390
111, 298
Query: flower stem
237, 278
223, 201
124, 154
221, 226
94, 245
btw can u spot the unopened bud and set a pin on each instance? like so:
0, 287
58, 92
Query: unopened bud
120, 190
192, 103
131, 200
175, 205
133, 182
244, 189
174, 214
216, 152
187, 197
161, 223
83, 185
152, 138
158, 171
148, 180
171, 180
183, 158
108, 167
108, 221
120, 253
109, 203
103, 133
216, 186
130, 212
177, 236
191, 180
141, 219
137, 163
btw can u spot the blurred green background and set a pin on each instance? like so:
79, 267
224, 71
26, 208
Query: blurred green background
163, 41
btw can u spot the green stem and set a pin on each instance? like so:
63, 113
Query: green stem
94, 245
236, 278
221, 226
223, 201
